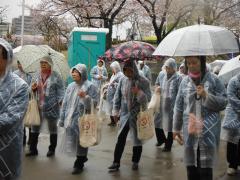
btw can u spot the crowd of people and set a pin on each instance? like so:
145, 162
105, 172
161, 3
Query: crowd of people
191, 100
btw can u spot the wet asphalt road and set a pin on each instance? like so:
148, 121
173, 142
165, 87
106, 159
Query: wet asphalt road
155, 164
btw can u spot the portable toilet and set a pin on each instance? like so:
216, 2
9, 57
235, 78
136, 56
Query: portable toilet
86, 45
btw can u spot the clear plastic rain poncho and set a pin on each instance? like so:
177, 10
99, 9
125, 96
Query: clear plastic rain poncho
145, 70
13, 105
112, 85
168, 91
126, 105
185, 103
231, 122
73, 108
98, 71
49, 95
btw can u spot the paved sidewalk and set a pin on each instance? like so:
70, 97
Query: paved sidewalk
154, 164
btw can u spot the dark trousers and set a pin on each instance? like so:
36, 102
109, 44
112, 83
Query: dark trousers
161, 138
233, 155
169, 141
119, 148
34, 142
198, 173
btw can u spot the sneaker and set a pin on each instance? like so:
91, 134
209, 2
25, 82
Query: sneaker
114, 167
135, 166
231, 171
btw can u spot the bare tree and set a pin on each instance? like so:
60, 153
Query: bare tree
215, 10
166, 15
98, 13
3, 14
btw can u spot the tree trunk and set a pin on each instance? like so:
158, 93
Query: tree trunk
108, 23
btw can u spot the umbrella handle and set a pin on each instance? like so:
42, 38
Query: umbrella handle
197, 97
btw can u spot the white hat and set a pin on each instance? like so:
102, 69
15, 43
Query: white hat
47, 59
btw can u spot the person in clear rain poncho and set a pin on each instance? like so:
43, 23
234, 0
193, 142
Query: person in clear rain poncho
112, 86
201, 97
77, 99
132, 94
13, 105
99, 74
28, 79
167, 84
145, 70
231, 125
48, 87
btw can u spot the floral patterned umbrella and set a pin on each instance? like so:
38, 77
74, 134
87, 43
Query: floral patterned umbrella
133, 49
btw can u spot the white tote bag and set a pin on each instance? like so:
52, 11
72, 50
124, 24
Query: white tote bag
145, 126
90, 129
32, 116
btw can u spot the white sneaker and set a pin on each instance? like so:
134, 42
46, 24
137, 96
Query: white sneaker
231, 171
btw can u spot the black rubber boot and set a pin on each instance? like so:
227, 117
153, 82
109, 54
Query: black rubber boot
79, 164
33, 145
112, 123
137, 152
169, 142
161, 138
114, 167
53, 145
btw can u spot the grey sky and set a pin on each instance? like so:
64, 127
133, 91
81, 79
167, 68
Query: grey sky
15, 9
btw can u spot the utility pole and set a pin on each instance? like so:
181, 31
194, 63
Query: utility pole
22, 27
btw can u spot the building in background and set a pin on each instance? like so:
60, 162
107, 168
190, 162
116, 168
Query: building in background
4, 29
28, 26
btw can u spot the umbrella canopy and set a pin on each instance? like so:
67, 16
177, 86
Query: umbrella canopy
229, 69
198, 40
30, 55
217, 63
132, 49
17, 49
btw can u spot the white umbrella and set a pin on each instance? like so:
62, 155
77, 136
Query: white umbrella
217, 63
30, 55
198, 40
229, 69
15, 50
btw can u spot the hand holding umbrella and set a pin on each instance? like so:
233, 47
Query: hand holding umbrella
201, 91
